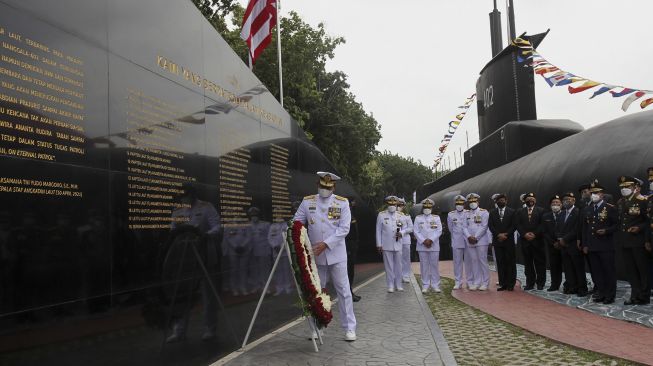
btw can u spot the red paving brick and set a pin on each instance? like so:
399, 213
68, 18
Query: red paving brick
558, 322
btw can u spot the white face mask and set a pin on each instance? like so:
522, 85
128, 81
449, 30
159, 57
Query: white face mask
426, 211
555, 208
392, 209
595, 198
324, 193
650, 186
626, 192
459, 208
473, 205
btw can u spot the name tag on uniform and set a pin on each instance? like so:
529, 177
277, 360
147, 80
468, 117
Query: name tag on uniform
434, 225
312, 208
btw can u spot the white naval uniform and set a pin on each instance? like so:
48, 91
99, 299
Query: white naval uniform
405, 250
476, 224
387, 226
328, 220
428, 227
455, 223
283, 277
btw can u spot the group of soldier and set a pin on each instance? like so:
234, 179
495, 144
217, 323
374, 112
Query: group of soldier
573, 234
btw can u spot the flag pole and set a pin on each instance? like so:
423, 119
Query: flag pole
279, 53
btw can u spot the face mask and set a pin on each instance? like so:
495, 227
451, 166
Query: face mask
567, 205
324, 193
530, 203
459, 208
626, 192
555, 208
595, 197
501, 205
392, 209
473, 205
426, 211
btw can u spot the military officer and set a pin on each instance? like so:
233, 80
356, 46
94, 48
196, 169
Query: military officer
389, 232
428, 229
405, 240
631, 234
455, 223
328, 217
476, 232
599, 222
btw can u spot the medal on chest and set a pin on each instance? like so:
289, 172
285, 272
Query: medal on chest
477, 219
334, 212
634, 210
603, 215
434, 225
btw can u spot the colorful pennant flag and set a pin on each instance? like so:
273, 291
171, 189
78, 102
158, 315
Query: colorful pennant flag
453, 126
555, 76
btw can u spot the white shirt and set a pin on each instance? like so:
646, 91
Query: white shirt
428, 227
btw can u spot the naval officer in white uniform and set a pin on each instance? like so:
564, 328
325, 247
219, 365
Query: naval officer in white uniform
455, 223
405, 240
476, 232
327, 218
428, 229
389, 231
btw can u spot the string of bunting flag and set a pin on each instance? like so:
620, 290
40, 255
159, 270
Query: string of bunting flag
453, 126
554, 76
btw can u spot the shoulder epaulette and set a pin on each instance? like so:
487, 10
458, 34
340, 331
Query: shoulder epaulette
609, 204
452, 211
340, 198
482, 209
641, 198
310, 197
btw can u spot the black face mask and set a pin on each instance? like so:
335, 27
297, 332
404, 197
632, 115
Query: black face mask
530, 203
501, 204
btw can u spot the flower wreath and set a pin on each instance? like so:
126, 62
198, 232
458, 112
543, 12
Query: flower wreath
317, 301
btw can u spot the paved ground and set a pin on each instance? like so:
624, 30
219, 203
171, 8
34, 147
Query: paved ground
554, 321
393, 329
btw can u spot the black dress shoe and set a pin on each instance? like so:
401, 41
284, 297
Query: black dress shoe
551, 289
631, 302
540, 287
567, 291
510, 288
582, 293
598, 299
608, 301
501, 288
355, 297
529, 287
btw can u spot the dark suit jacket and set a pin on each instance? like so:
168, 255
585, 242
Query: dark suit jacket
605, 218
505, 225
561, 228
534, 225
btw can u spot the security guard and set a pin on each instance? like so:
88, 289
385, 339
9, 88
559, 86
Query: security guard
328, 217
405, 240
631, 235
599, 222
389, 232
455, 223
428, 229
476, 232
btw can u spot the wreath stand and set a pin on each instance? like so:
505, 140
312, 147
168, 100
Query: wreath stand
312, 323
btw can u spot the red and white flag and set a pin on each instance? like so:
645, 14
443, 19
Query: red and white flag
260, 18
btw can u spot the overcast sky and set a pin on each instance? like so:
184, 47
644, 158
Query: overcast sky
411, 63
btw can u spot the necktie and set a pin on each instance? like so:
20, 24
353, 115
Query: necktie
567, 215
530, 211
501, 214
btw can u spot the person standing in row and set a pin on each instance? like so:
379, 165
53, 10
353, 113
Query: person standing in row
475, 229
633, 225
428, 229
573, 263
352, 247
528, 223
599, 222
455, 223
389, 231
502, 226
552, 224
405, 240
327, 217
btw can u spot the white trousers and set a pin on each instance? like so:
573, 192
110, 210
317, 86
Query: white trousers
337, 274
478, 265
392, 262
405, 261
458, 255
429, 269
